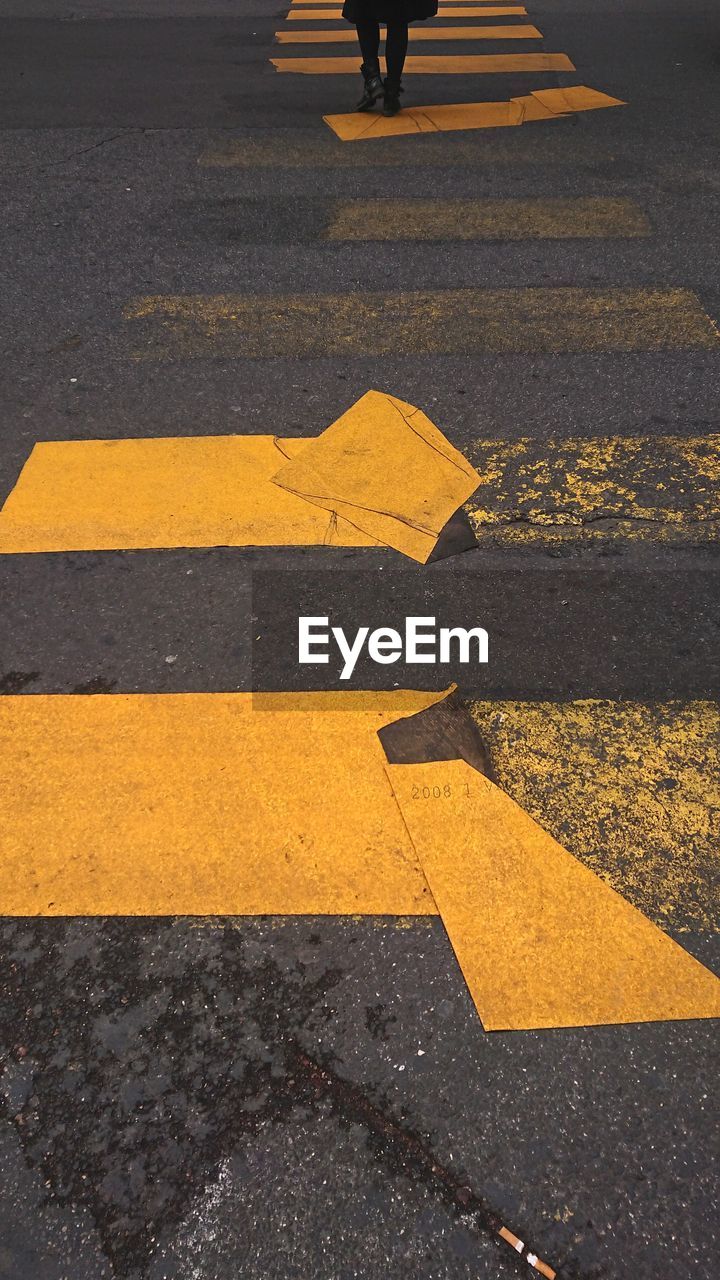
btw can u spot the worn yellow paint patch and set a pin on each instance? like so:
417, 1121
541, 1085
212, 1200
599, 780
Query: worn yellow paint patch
194, 491
448, 11
473, 64
326, 151
664, 488
349, 35
551, 104
592, 216
442, 321
541, 940
387, 469
632, 789
202, 804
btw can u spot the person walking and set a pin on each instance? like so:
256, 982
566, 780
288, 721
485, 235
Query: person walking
366, 16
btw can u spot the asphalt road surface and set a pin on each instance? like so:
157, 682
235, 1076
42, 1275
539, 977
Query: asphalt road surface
203, 1098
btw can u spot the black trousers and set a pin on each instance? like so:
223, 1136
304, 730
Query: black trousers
396, 43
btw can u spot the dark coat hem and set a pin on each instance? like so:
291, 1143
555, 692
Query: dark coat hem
358, 11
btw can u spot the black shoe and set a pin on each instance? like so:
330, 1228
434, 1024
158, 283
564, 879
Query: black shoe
373, 87
391, 99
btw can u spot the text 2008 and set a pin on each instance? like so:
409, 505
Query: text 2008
437, 793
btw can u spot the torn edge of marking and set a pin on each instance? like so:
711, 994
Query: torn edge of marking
456, 536
317, 482
443, 731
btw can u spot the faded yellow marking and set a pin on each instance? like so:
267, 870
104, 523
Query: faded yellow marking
475, 64
541, 940
487, 219
324, 151
449, 11
381, 471
630, 788
664, 488
342, 36
454, 320
544, 104
202, 804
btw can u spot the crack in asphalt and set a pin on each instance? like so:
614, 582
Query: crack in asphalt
84, 151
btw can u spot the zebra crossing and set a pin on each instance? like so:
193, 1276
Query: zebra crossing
211, 871
439, 117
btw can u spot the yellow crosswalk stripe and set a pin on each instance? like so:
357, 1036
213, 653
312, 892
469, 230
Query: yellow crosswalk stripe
606, 812
307, 149
182, 491
247, 490
218, 491
541, 104
519, 32
126, 809
120, 805
474, 64
171, 326
448, 220
439, 118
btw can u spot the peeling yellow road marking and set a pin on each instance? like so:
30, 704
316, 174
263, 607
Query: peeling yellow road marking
639, 802
442, 321
666, 488
450, 11
69, 760
541, 940
219, 491
487, 219
348, 36
381, 471
387, 469
542, 104
241, 804
474, 64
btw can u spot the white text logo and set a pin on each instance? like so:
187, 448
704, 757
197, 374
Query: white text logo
422, 642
